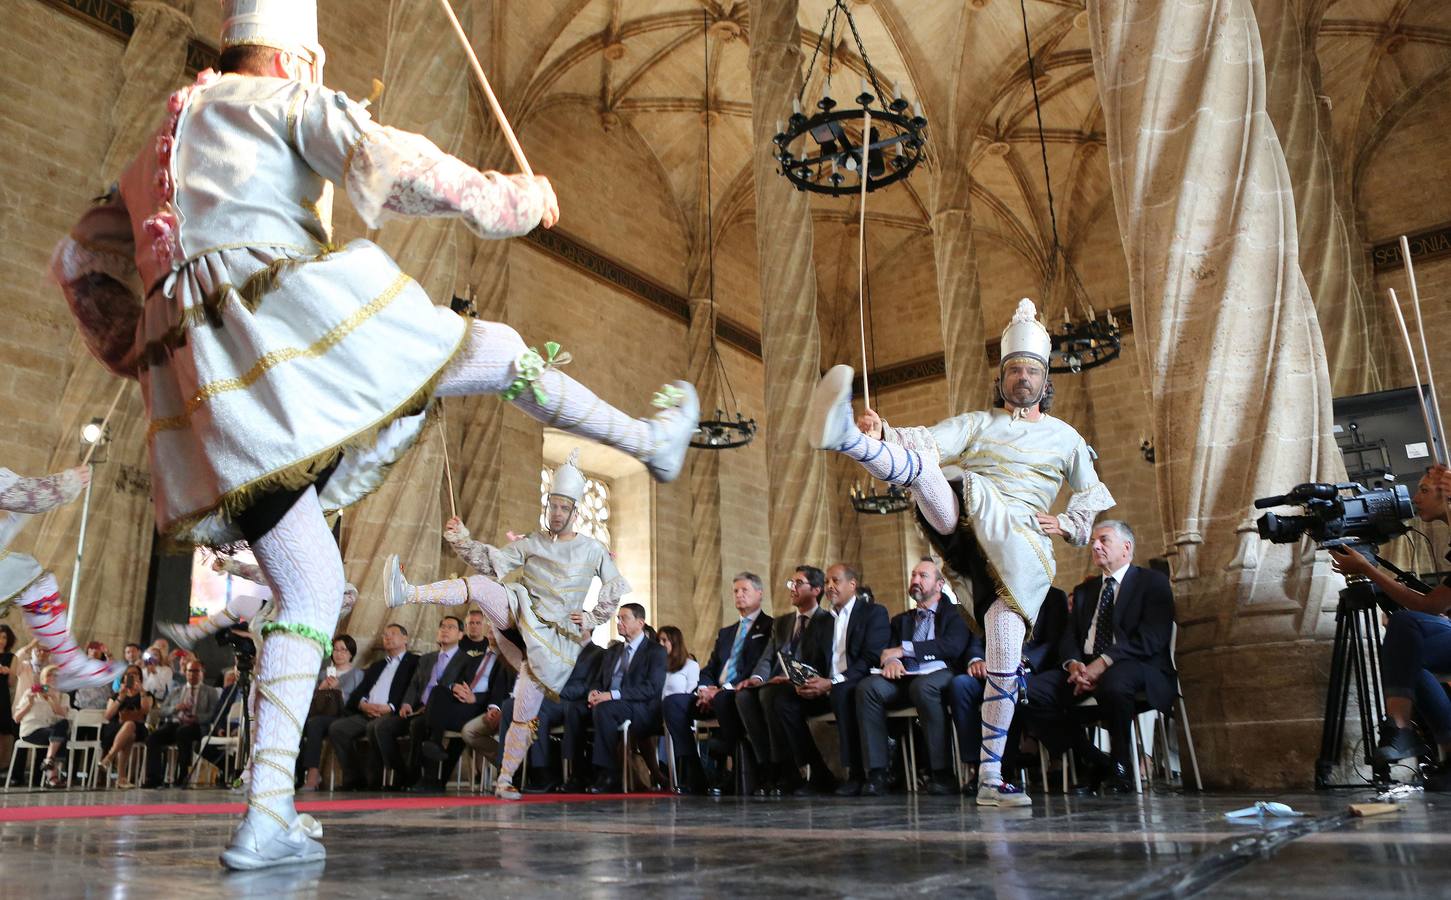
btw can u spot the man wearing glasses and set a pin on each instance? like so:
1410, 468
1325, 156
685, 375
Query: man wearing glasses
182, 717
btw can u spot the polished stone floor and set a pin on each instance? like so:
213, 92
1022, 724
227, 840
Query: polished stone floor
645, 846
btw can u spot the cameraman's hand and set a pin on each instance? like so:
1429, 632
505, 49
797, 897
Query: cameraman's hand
1348, 562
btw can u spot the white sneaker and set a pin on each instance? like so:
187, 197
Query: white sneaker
179, 635
829, 424
395, 589
672, 428
265, 847
1002, 795
506, 791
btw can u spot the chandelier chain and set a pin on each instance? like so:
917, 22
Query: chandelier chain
1042, 144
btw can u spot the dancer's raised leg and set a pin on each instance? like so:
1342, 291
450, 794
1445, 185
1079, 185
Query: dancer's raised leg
303, 565
45, 615
830, 427
496, 361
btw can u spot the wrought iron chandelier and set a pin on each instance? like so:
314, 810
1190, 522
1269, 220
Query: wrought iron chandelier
728, 427
817, 152
1092, 341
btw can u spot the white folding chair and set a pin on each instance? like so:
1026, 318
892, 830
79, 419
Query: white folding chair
87, 747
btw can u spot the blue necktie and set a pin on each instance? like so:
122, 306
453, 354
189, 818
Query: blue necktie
624, 664
922, 631
730, 672
1103, 629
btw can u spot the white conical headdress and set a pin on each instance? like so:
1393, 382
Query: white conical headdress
1026, 336
568, 480
285, 24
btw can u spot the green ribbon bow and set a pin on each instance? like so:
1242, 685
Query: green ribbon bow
531, 367
668, 397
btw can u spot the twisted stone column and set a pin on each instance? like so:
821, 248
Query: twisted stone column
1229, 342
120, 525
800, 528
1329, 245
955, 250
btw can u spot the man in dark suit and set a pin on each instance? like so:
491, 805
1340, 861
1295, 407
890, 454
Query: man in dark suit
372, 711
738, 648
1116, 645
756, 702
428, 676
1041, 674
184, 715
917, 665
544, 776
468, 697
627, 687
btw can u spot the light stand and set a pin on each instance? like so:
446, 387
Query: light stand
95, 436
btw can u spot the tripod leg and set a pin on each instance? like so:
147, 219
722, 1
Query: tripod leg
1332, 733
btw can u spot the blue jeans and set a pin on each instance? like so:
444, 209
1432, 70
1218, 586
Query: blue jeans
1416, 646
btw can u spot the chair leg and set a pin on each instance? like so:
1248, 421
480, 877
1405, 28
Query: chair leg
909, 758
1189, 744
1043, 765
1134, 756
625, 760
670, 761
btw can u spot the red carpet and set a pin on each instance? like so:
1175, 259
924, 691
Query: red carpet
41, 813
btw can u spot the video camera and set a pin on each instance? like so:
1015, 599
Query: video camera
243, 647
1337, 515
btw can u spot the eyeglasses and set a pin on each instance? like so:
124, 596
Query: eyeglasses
797, 583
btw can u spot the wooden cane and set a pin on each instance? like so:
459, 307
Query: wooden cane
503, 120
447, 468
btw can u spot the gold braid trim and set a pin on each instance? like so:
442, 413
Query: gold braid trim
270, 361
303, 472
253, 803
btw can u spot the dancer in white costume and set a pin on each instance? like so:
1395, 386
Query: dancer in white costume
245, 607
545, 604
995, 534
24, 582
283, 374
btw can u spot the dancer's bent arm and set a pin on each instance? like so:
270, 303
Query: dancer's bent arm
37, 495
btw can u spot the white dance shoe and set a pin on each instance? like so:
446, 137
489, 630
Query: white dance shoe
506, 791
829, 424
672, 429
94, 674
268, 845
179, 635
1002, 795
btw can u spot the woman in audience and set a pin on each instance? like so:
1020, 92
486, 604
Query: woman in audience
42, 713
93, 697
125, 724
683, 672
338, 680
7, 680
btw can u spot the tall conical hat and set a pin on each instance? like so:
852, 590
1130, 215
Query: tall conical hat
285, 24
1026, 336
568, 480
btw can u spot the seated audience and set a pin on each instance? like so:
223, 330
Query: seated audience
184, 715
41, 714
916, 667
682, 672
338, 681
1115, 646
738, 648
131, 655
437, 668
544, 777
98, 696
8, 731
155, 675
125, 724
372, 712
756, 703
468, 699
1041, 675
627, 688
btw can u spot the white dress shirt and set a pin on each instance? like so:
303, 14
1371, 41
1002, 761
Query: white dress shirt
1118, 589
384, 684
742, 631
631, 648
909, 652
682, 681
838, 642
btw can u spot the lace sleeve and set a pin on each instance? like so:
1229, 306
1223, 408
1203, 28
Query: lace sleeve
36, 495
1083, 507
486, 559
398, 173
96, 270
250, 571
613, 586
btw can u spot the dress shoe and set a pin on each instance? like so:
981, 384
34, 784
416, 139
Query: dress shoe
542, 787
434, 752
851, 788
427, 787
941, 786
1395, 744
1113, 779
605, 786
875, 785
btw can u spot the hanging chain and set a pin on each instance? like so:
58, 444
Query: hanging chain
1042, 145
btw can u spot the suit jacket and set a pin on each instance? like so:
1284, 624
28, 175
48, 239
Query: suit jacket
206, 702
406, 668
768, 667
756, 640
644, 680
1143, 626
867, 633
951, 635
582, 676
495, 691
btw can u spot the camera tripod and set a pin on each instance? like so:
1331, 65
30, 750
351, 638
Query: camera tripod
1356, 655
242, 690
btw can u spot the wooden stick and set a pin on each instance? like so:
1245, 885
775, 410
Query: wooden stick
447, 468
1425, 354
463, 39
1415, 372
104, 423
861, 260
